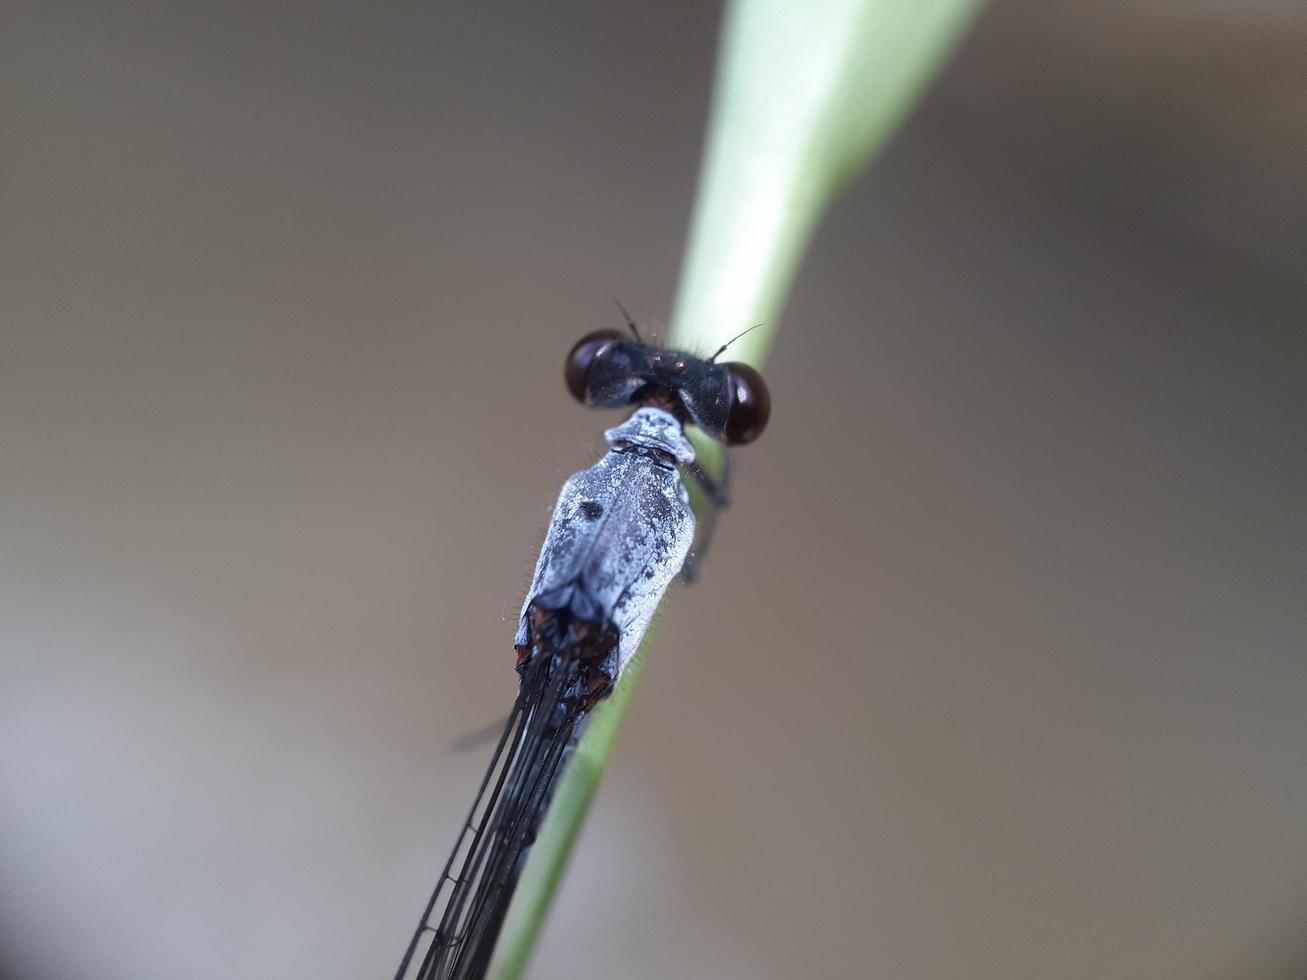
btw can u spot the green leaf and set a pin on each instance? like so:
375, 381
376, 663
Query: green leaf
805, 93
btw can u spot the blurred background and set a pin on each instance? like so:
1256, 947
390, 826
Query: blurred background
997, 669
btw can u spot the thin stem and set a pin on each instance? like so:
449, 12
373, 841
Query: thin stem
804, 93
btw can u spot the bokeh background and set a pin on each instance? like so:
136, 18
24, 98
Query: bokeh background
997, 669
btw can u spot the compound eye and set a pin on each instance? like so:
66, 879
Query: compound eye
750, 405
576, 371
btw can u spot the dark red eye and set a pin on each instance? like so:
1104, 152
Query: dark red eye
576, 371
750, 405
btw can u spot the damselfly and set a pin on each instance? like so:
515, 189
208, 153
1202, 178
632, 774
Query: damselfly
620, 533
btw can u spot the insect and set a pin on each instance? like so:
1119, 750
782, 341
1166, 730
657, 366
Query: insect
621, 531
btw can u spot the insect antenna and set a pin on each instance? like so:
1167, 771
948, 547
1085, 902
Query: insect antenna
629, 322
722, 349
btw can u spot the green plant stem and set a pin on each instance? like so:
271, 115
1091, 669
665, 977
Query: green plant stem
805, 92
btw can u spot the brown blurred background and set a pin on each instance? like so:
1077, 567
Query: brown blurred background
997, 669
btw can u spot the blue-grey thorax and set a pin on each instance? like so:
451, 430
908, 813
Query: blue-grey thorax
620, 533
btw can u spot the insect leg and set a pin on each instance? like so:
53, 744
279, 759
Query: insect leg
717, 495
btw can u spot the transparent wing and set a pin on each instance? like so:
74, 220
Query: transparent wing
459, 926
